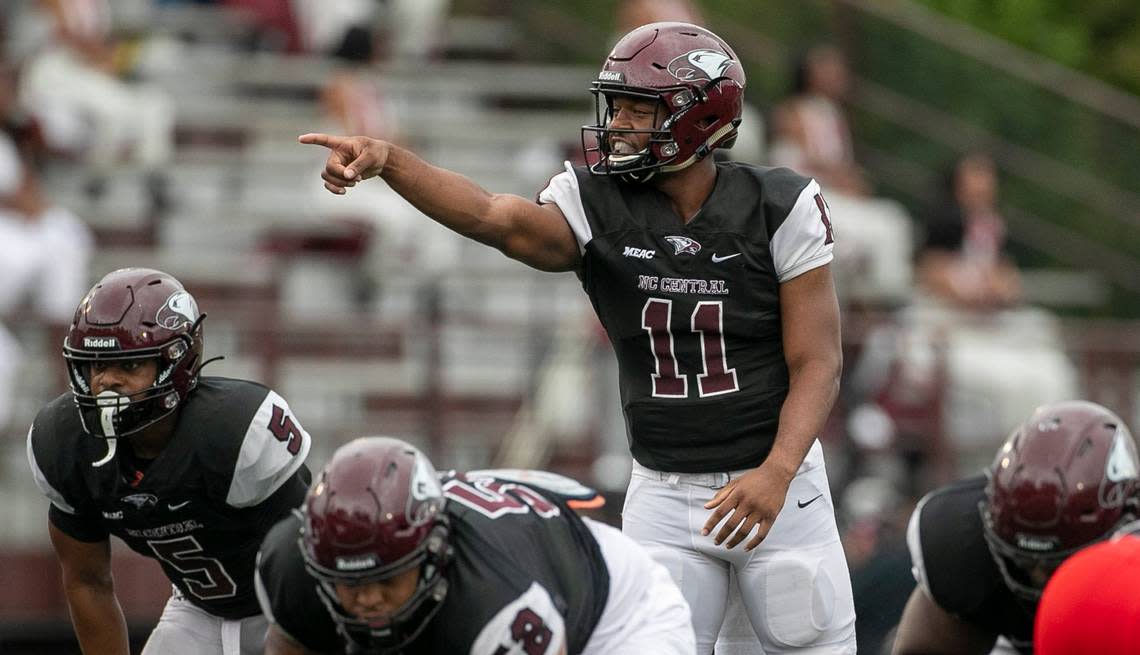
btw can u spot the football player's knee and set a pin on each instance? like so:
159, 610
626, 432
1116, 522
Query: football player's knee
800, 600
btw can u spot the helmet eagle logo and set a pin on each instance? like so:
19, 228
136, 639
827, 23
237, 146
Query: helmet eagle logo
700, 64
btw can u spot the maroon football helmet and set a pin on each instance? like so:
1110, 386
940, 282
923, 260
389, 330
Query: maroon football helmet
697, 81
377, 510
1066, 478
134, 313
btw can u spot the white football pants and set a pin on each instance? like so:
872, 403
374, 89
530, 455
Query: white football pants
186, 629
795, 586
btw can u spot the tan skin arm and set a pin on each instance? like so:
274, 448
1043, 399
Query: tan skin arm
90, 591
534, 234
809, 316
927, 629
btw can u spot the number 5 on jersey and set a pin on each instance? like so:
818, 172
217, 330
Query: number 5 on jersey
285, 430
707, 324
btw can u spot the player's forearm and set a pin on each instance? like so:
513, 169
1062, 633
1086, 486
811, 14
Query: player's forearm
451, 199
98, 620
813, 388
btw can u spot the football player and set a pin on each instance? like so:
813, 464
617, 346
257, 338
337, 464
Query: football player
388, 557
714, 285
983, 548
1091, 605
189, 470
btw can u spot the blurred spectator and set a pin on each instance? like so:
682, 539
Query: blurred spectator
341, 28
965, 360
274, 25
353, 101
44, 255
811, 135
72, 84
416, 29
964, 261
810, 129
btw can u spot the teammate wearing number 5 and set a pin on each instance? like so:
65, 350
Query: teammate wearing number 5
713, 283
189, 470
388, 557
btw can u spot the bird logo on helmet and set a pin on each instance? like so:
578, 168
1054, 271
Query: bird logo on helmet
700, 64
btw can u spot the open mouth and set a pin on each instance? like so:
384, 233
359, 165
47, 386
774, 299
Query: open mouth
622, 151
622, 147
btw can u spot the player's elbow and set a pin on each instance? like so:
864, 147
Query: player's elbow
822, 363
89, 581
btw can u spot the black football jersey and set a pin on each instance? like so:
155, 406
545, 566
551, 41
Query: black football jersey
692, 309
952, 562
233, 468
519, 558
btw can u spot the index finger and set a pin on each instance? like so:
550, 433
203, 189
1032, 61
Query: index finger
318, 139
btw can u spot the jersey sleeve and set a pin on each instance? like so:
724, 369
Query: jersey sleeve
63, 513
562, 190
804, 239
529, 624
42, 483
273, 449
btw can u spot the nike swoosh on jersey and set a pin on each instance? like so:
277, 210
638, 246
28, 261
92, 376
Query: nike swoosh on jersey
175, 507
717, 260
802, 504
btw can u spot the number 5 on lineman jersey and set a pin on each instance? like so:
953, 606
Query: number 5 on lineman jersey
530, 624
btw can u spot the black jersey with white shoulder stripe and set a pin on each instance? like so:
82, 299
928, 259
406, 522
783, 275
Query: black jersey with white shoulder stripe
233, 467
526, 575
692, 308
953, 564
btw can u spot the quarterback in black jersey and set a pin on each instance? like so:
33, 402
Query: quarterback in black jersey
983, 548
713, 282
387, 557
191, 471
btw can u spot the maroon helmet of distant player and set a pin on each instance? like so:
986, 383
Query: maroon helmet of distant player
1067, 477
134, 313
375, 511
697, 82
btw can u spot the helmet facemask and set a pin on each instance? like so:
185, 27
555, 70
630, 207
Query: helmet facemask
662, 151
406, 623
1025, 571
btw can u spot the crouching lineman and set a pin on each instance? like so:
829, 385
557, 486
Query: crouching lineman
983, 548
387, 557
186, 469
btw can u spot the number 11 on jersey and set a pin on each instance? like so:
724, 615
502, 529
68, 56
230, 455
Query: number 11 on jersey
707, 323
